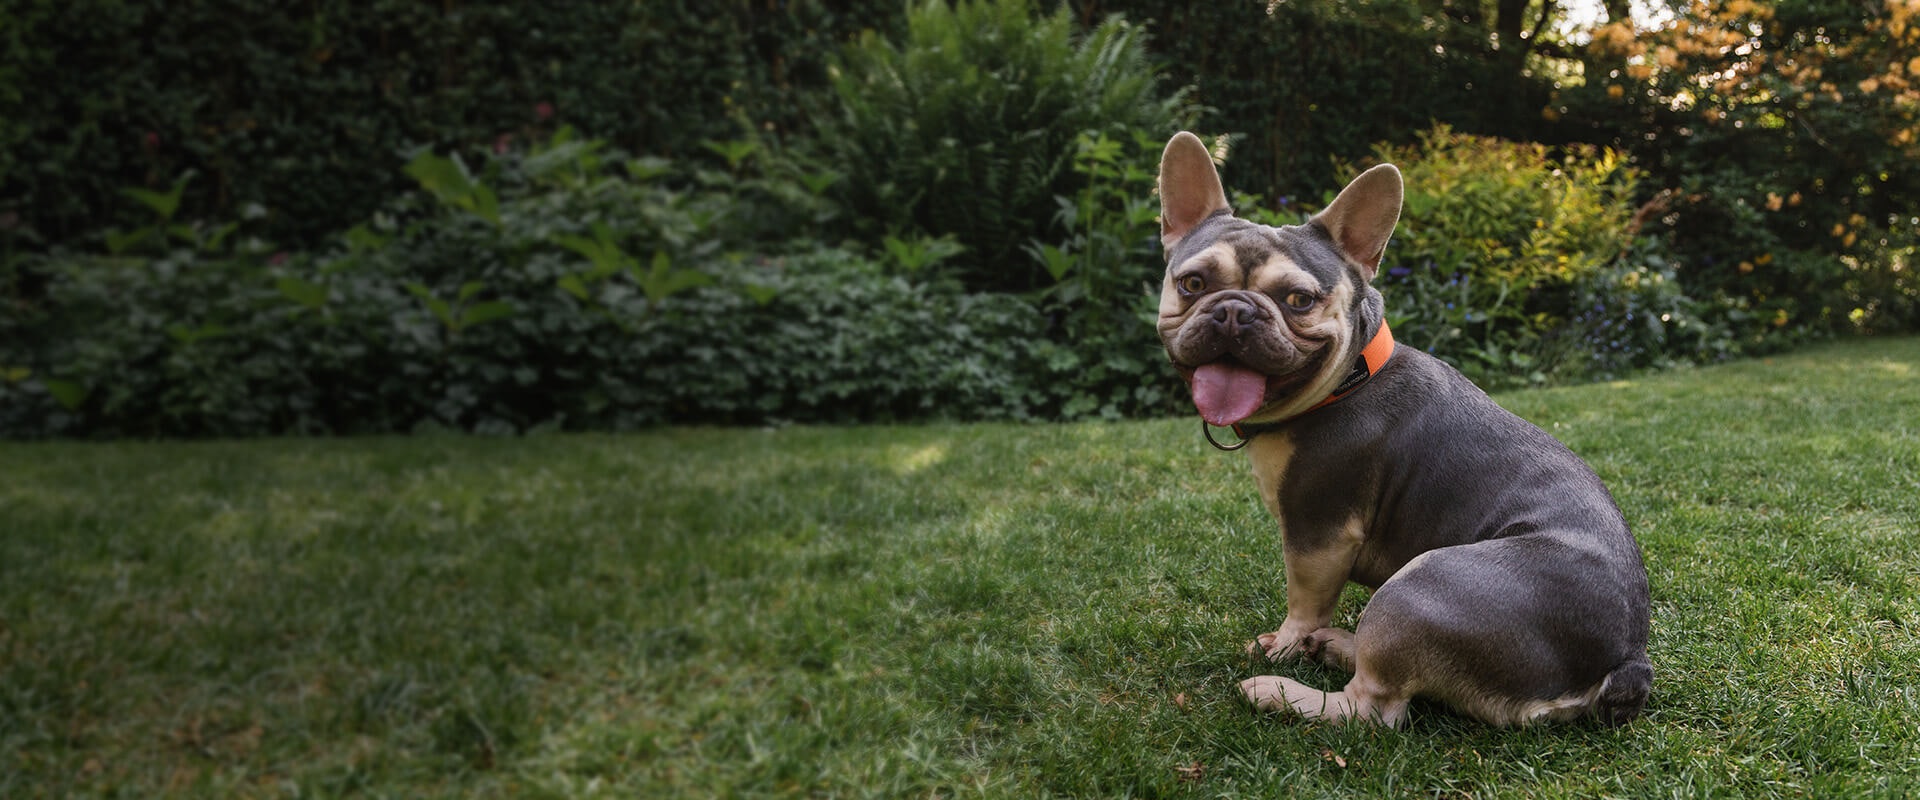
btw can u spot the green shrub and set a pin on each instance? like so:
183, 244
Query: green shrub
1632, 314
1492, 234
839, 341
304, 115
1520, 263
1300, 84
966, 127
562, 286
1791, 156
1103, 258
1786, 267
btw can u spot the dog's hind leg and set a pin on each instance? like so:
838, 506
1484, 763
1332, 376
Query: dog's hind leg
1363, 699
1508, 631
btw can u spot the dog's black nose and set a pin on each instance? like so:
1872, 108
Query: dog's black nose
1229, 316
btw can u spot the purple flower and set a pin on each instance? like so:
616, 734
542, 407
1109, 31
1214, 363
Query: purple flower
1399, 272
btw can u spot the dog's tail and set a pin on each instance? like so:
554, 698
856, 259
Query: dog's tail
1624, 693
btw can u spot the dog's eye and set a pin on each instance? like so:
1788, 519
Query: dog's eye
1192, 284
1300, 301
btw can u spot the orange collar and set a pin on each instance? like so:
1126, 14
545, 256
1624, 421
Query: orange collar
1372, 358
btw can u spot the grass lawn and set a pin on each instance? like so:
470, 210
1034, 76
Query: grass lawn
997, 610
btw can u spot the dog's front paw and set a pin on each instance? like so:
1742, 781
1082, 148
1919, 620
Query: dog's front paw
1277, 646
1281, 645
1330, 646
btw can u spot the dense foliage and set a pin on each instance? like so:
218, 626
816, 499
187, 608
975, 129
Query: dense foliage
1574, 289
1789, 134
1297, 82
219, 223
511, 297
966, 127
303, 114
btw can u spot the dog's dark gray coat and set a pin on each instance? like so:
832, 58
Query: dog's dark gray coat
1433, 464
1507, 582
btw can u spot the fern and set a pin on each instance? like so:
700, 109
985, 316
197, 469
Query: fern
966, 126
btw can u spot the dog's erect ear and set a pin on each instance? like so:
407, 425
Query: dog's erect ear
1361, 219
1189, 187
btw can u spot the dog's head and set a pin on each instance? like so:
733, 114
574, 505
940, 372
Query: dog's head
1265, 322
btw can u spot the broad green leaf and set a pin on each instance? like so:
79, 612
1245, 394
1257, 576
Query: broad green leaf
605, 256
647, 168
360, 237
760, 295
218, 235
306, 293
441, 312
446, 178
486, 204
903, 253
120, 242
681, 280
817, 183
656, 271
434, 304
734, 151
1056, 260
67, 393
163, 204
183, 232
556, 156
588, 249
481, 313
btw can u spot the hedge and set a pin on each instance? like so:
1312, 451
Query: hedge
300, 115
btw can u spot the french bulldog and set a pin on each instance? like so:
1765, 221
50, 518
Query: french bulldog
1506, 584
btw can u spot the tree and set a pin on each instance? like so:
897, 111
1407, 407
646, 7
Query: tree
1792, 132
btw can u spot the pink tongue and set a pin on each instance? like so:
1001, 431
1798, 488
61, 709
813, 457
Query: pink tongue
1226, 394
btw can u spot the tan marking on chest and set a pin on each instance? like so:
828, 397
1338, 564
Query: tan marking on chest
1271, 453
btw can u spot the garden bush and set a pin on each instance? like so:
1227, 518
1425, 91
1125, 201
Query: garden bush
564, 285
306, 115
837, 341
1102, 255
1301, 84
1522, 263
1787, 133
966, 126
567, 284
